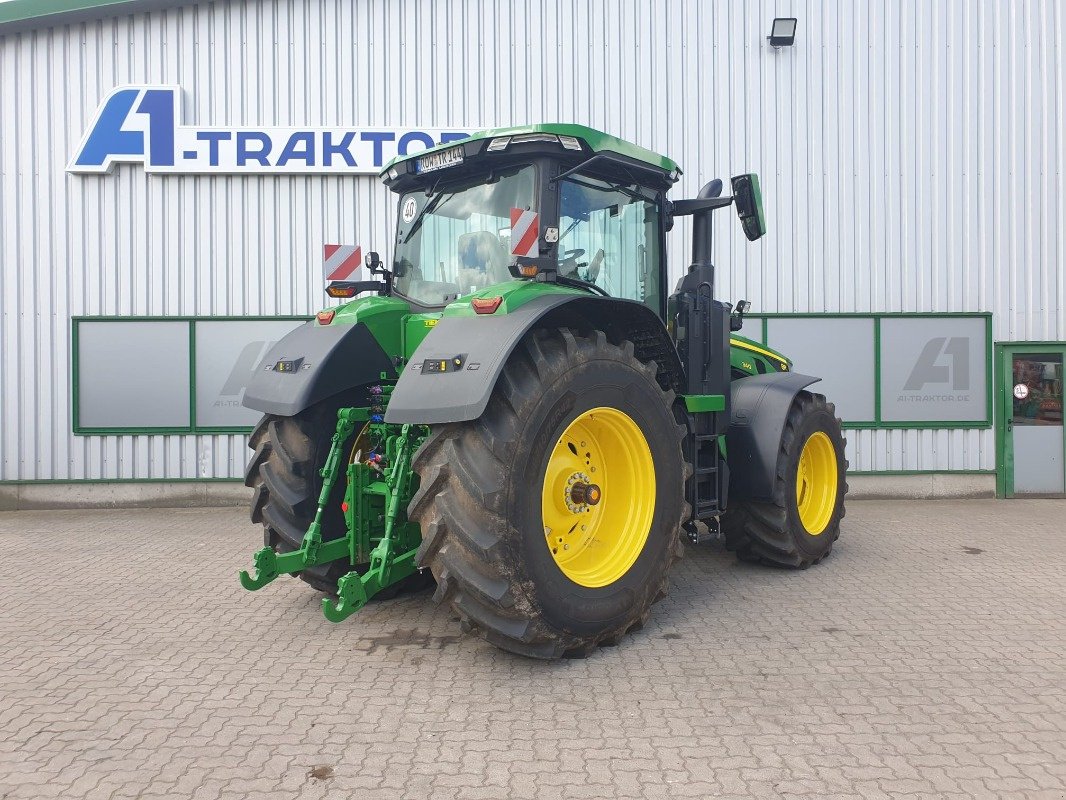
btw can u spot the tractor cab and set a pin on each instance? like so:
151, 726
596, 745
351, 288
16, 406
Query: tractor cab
559, 203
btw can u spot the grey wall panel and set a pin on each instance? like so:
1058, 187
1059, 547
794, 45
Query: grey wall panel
134, 375
911, 156
840, 351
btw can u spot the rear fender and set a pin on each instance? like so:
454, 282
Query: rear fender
452, 373
760, 405
328, 360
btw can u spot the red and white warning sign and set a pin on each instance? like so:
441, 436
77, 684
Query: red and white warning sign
525, 230
341, 261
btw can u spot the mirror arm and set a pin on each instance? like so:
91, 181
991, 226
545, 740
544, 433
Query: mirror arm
682, 208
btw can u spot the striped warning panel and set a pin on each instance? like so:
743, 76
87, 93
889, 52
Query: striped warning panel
341, 261
525, 230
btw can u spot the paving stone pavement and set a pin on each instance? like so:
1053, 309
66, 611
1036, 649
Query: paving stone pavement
925, 658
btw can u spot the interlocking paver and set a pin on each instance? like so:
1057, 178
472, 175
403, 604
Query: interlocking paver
925, 658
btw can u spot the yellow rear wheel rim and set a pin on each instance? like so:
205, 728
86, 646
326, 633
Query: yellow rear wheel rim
816, 483
598, 497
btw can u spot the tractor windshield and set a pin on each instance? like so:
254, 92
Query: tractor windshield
457, 240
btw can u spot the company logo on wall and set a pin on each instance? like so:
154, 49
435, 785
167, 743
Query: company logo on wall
943, 360
934, 369
142, 125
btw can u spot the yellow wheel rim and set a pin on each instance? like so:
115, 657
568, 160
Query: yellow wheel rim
816, 483
598, 497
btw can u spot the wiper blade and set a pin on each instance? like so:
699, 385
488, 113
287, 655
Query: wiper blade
417, 221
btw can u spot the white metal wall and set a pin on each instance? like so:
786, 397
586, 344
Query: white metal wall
911, 155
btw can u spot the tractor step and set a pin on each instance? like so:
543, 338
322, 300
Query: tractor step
706, 480
712, 531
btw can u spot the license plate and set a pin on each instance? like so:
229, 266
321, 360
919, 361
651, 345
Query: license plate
439, 160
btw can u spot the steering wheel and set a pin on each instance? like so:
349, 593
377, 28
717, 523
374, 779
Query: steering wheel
568, 261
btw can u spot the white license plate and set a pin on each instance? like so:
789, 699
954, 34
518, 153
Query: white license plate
440, 160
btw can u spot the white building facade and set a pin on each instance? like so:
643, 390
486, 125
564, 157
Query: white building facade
911, 157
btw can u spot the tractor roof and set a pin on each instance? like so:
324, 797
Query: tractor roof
594, 140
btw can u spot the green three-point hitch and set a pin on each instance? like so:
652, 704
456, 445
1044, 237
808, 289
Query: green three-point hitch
378, 488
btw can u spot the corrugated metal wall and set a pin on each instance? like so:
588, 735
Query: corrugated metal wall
911, 155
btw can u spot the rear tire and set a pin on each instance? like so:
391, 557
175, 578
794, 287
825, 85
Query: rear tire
777, 533
484, 484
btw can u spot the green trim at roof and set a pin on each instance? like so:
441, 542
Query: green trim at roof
19, 15
598, 142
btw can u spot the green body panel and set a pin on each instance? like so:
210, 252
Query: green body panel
515, 294
383, 316
699, 403
597, 141
417, 327
747, 356
399, 331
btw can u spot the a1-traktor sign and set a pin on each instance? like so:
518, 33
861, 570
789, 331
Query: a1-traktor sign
142, 124
934, 369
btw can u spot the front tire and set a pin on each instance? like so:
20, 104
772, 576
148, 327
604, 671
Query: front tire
577, 431
798, 528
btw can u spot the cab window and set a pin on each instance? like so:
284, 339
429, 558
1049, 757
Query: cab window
457, 241
609, 236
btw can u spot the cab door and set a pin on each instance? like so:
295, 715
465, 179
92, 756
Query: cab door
1033, 448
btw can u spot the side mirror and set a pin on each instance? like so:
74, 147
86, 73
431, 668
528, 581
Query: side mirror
748, 197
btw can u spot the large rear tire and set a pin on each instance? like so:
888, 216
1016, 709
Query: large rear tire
577, 431
799, 527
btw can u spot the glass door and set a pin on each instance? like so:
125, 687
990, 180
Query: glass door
1033, 436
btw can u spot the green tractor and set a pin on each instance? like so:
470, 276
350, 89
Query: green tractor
520, 408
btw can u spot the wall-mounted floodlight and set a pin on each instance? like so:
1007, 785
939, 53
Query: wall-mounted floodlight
783, 32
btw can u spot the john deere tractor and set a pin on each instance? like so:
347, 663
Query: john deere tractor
517, 408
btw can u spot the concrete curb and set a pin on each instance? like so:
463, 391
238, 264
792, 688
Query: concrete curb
209, 494
119, 494
928, 486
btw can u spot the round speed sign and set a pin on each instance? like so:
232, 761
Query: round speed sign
1021, 391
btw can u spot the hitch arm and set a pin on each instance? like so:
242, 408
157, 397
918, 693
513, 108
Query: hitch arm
387, 566
269, 564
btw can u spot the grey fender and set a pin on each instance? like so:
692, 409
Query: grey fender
760, 405
329, 359
482, 344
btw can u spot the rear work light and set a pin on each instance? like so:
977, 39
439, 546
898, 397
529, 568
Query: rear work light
486, 305
325, 317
